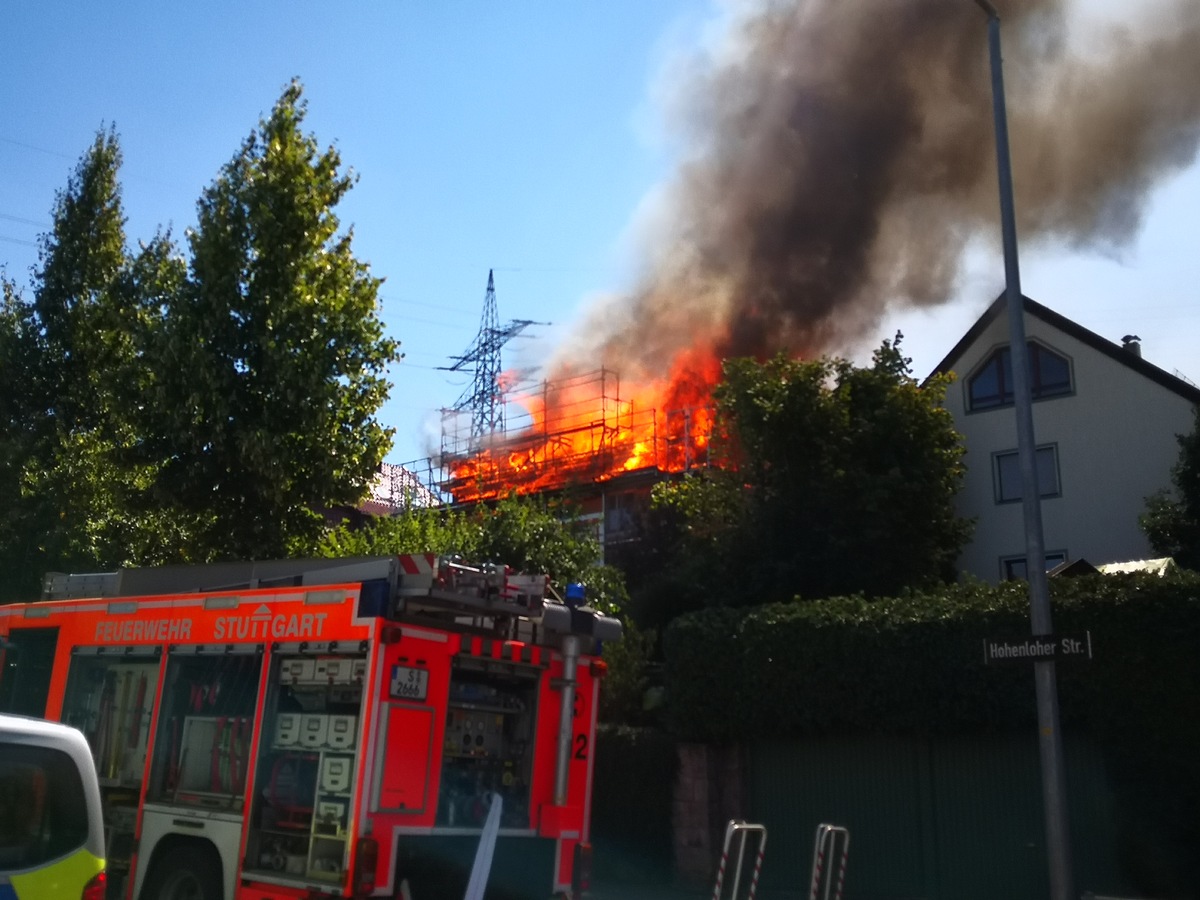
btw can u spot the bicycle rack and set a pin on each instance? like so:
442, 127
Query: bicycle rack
829, 837
742, 830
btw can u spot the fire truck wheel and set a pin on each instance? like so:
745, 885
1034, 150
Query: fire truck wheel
185, 872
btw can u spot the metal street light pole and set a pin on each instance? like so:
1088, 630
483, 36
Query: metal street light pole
1050, 746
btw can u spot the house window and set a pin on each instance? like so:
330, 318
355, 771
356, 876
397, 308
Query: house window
992, 384
619, 517
1007, 468
1013, 567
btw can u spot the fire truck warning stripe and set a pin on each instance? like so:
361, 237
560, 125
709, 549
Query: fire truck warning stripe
418, 563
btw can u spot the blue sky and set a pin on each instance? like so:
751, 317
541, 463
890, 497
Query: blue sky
520, 136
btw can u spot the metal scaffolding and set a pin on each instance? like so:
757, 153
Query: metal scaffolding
571, 431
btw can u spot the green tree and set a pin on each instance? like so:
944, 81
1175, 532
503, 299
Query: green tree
71, 363
18, 544
271, 360
157, 411
1172, 521
418, 530
837, 479
77, 300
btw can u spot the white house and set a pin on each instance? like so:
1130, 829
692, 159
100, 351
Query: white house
1105, 425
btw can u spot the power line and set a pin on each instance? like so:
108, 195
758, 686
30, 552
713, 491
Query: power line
9, 218
456, 324
35, 147
393, 299
79, 156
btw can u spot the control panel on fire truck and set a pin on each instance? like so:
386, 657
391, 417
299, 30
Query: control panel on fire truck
303, 802
487, 748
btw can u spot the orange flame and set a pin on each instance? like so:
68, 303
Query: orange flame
590, 427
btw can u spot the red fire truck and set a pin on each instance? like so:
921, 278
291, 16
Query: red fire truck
323, 728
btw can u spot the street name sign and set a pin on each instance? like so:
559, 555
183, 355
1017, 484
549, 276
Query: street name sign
1038, 648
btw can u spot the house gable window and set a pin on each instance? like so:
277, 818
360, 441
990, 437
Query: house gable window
1013, 567
1006, 471
991, 385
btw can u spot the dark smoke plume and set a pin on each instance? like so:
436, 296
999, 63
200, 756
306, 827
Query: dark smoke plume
843, 157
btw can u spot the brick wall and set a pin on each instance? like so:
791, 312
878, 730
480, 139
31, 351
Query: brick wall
709, 791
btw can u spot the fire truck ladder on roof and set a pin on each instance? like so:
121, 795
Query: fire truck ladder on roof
741, 830
488, 589
223, 576
424, 578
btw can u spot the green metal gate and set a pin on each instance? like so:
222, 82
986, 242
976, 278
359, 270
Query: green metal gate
947, 818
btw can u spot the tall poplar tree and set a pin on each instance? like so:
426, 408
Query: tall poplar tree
17, 349
158, 409
271, 362
71, 365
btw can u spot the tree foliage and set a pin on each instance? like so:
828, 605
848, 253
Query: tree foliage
162, 407
1172, 521
18, 541
71, 488
272, 359
837, 479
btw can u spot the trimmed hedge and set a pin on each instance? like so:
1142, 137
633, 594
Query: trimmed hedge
914, 664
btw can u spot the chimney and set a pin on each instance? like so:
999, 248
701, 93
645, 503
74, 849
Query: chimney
1133, 344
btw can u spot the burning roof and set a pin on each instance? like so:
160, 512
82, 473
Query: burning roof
578, 431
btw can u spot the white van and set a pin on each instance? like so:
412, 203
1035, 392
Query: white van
51, 827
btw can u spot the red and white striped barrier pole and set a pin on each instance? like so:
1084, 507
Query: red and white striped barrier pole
825, 844
741, 829
841, 879
758, 860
